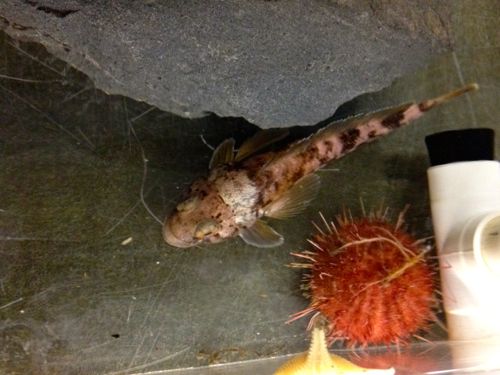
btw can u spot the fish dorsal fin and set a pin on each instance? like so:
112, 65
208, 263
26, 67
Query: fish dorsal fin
261, 235
223, 154
353, 122
258, 141
296, 199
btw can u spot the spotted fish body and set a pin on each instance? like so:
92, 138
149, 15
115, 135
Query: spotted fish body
245, 186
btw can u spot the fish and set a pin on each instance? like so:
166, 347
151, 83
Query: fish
318, 361
248, 184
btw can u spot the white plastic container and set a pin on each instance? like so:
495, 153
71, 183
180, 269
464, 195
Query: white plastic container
465, 204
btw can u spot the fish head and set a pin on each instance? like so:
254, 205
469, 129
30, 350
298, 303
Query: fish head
201, 218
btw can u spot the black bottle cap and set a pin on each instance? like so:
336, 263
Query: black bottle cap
461, 145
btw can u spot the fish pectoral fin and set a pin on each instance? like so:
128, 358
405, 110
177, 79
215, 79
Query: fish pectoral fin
258, 141
261, 235
223, 154
296, 199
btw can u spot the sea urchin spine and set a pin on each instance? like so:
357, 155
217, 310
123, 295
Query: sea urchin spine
369, 279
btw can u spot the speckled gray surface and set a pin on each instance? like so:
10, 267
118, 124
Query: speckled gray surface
275, 63
87, 285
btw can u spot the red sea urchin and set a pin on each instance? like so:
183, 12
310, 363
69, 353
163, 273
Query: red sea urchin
370, 280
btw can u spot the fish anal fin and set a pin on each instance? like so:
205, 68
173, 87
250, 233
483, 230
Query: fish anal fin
261, 235
223, 154
296, 199
258, 141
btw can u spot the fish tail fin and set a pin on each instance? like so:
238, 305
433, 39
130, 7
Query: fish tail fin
431, 103
351, 133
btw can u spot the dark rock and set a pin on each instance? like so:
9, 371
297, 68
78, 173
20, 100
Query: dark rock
275, 63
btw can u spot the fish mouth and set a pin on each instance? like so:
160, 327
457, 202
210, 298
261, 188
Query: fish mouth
173, 240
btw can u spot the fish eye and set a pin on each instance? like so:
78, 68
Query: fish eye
206, 228
188, 205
